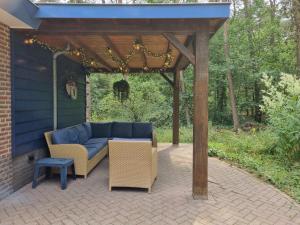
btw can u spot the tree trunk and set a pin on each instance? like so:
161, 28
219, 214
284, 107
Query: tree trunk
296, 14
186, 108
235, 118
272, 17
254, 66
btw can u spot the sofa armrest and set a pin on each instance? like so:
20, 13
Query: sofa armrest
76, 152
154, 139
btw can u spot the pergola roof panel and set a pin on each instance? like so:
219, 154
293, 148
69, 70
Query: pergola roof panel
95, 27
133, 11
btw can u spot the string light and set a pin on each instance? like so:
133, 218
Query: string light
137, 47
80, 52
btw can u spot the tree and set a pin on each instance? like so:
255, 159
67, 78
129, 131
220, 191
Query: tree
236, 123
296, 13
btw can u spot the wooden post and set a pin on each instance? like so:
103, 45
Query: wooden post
176, 89
200, 130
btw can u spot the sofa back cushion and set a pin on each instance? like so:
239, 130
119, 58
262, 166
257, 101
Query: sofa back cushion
122, 130
142, 130
83, 133
101, 130
67, 135
88, 129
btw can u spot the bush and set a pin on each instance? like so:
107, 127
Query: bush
281, 103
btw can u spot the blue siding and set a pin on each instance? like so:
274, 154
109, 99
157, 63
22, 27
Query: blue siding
70, 112
32, 97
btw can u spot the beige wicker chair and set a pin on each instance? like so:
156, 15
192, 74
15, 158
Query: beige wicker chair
77, 152
132, 164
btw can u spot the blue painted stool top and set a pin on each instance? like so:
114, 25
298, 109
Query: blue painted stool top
54, 162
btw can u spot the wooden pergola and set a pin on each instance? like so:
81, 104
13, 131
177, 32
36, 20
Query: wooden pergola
185, 29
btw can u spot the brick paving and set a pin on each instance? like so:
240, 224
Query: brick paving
235, 197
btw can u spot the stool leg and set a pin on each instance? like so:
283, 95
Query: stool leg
48, 172
63, 177
73, 172
35, 176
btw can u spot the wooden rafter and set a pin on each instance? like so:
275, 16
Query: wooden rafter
182, 61
113, 47
180, 47
92, 53
167, 79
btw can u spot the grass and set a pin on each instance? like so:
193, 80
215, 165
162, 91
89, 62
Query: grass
251, 151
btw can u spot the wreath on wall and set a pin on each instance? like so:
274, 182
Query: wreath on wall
71, 88
121, 90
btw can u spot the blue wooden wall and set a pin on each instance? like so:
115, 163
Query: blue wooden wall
32, 97
70, 112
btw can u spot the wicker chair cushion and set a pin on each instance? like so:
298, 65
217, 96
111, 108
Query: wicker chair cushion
122, 129
101, 130
141, 130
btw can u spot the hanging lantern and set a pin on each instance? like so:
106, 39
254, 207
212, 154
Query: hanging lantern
121, 90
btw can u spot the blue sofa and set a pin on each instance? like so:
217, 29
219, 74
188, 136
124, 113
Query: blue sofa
87, 143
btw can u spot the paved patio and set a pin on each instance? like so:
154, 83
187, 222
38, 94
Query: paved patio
235, 197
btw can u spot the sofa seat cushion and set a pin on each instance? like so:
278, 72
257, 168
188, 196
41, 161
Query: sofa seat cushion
122, 130
132, 139
96, 141
67, 135
142, 130
95, 145
101, 130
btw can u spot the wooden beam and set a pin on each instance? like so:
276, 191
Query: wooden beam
200, 136
126, 26
167, 78
182, 62
92, 53
180, 47
176, 98
113, 47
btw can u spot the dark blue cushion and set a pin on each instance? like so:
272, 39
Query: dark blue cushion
94, 146
67, 135
60, 136
101, 130
142, 130
73, 135
122, 129
92, 151
83, 135
88, 129
96, 141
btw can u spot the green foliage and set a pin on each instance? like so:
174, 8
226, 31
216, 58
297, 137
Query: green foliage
282, 106
145, 103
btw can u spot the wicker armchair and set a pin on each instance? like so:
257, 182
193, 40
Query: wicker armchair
132, 163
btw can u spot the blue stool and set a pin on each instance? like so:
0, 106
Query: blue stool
49, 163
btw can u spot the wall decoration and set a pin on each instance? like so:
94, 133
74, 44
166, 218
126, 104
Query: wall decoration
71, 88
